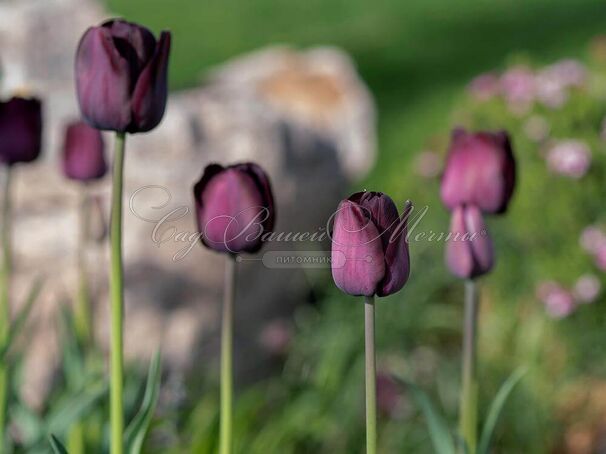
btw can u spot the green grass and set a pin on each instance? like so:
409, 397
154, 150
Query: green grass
414, 55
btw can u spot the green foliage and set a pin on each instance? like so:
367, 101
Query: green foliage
137, 429
438, 430
19, 322
57, 446
77, 405
496, 408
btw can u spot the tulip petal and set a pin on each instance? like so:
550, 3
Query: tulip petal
151, 90
229, 210
469, 251
83, 153
356, 238
480, 171
135, 43
382, 211
103, 81
397, 257
209, 172
264, 186
458, 253
508, 170
20, 130
481, 245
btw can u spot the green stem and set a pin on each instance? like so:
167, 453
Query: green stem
117, 303
83, 309
5, 278
227, 380
75, 439
371, 376
468, 413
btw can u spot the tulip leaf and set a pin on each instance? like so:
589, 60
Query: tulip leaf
439, 433
497, 406
70, 410
461, 444
73, 357
21, 317
57, 446
31, 425
137, 429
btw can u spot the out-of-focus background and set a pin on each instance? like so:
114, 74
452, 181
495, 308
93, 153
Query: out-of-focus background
331, 97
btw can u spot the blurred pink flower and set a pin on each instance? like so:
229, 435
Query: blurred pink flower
558, 301
276, 337
603, 130
388, 394
587, 288
484, 87
550, 91
593, 239
553, 82
518, 88
568, 72
428, 164
600, 258
571, 158
546, 288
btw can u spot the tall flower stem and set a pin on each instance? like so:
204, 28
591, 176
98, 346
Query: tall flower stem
227, 380
5, 280
83, 309
371, 376
117, 301
468, 410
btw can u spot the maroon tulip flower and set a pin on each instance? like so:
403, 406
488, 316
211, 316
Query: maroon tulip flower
121, 76
83, 153
234, 207
20, 130
480, 171
469, 251
369, 248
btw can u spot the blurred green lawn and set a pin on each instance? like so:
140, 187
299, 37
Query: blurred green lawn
414, 55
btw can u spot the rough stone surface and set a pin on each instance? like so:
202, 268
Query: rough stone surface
305, 116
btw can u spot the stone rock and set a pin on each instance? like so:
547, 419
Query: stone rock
305, 116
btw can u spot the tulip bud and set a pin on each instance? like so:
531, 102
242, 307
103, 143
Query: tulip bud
469, 249
234, 207
480, 171
20, 130
83, 153
121, 76
369, 247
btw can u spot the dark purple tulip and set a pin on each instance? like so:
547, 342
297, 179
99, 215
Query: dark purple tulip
83, 152
234, 207
121, 76
20, 130
369, 248
480, 171
469, 250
